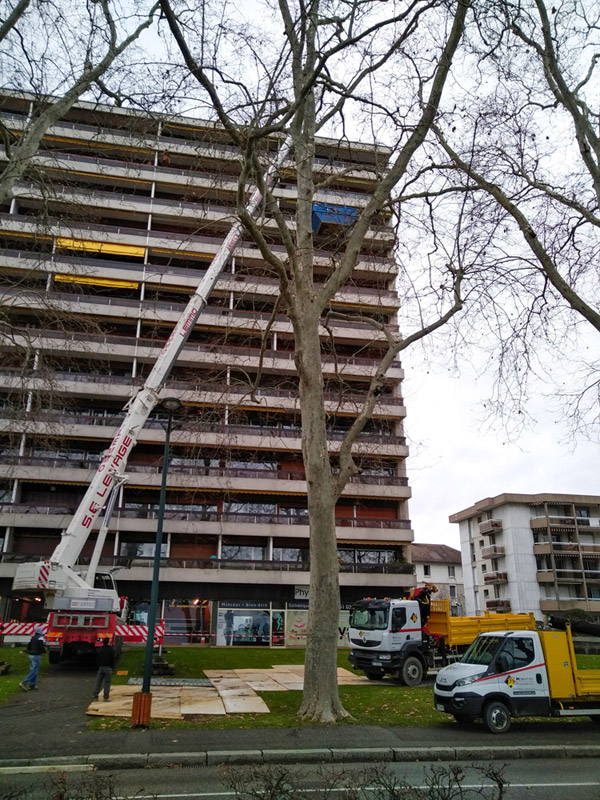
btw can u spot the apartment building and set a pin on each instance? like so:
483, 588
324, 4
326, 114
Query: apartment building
106, 237
531, 552
441, 565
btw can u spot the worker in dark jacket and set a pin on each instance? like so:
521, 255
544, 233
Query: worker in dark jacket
35, 649
105, 658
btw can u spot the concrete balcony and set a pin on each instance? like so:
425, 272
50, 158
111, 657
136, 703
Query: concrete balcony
545, 576
171, 243
492, 551
175, 570
156, 276
495, 578
222, 320
179, 520
497, 605
192, 355
542, 548
490, 526
86, 385
550, 604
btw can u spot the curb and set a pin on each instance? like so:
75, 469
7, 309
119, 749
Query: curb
211, 758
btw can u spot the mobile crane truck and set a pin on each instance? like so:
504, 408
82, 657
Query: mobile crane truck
405, 638
84, 605
510, 674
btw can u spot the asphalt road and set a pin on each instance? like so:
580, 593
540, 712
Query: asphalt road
537, 779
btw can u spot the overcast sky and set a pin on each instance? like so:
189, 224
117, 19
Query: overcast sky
454, 463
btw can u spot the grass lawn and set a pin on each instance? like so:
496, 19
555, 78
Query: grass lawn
388, 704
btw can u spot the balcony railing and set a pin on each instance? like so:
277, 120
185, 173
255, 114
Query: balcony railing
490, 525
224, 564
64, 262
198, 470
246, 352
495, 577
223, 390
497, 605
147, 511
492, 551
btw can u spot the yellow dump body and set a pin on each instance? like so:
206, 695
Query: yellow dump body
565, 680
464, 630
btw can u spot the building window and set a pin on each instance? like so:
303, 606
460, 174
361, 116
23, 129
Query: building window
451, 571
492, 538
484, 567
426, 570
486, 592
452, 589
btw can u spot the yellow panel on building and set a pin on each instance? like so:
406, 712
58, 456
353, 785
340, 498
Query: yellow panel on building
88, 246
90, 281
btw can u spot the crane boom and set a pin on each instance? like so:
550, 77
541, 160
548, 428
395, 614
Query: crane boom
57, 573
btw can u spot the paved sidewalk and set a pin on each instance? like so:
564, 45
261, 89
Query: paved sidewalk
49, 726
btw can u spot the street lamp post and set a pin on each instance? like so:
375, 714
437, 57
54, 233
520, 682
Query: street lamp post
142, 701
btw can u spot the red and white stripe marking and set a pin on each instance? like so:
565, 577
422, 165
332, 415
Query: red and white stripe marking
43, 576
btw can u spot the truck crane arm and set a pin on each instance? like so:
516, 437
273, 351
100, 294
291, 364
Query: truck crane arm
57, 574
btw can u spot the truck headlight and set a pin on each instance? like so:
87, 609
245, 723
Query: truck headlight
385, 658
470, 679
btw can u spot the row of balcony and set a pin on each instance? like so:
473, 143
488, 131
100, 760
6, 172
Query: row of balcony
216, 316
496, 604
566, 549
226, 564
189, 277
208, 146
184, 243
224, 390
247, 354
564, 522
568, 575
198, 514
198, 470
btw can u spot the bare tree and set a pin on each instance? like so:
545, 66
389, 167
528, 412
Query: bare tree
331, 56
523, 137
61, 50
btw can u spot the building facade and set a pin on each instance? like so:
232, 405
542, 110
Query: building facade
441, 565
108, 233
531, 552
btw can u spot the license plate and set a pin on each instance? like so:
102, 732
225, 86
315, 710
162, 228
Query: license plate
439, 706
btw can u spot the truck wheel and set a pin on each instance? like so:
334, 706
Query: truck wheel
375, 675
54, 656
412, 672
496, 717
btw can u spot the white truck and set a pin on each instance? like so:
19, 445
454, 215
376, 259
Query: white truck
510, 674
84, 604
405, 638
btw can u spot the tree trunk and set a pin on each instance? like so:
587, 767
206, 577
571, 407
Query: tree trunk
321, 701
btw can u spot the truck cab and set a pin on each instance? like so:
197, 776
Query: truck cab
386, 636
501, 675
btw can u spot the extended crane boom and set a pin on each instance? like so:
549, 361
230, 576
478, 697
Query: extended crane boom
56, 576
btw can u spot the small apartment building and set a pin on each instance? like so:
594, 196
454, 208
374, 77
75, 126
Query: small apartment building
535, 553
97, 271
441, 565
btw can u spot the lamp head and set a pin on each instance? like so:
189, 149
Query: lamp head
171, 404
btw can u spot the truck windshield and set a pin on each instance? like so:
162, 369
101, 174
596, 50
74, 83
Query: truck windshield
369, 619
483, 650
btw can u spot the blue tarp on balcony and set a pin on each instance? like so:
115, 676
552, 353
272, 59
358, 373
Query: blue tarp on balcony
332, 215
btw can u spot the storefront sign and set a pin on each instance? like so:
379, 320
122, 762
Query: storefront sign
301, 592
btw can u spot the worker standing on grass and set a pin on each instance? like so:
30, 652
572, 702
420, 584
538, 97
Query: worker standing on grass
35, 649
105, 657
